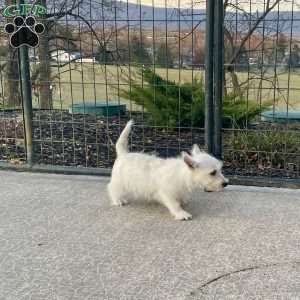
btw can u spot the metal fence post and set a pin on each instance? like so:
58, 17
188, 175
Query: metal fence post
25, 84
209, 72
218, 77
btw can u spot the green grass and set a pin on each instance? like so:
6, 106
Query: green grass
285, 94
87, 82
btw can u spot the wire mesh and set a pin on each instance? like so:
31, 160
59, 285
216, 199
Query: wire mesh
97, 56
11, 114
262, 69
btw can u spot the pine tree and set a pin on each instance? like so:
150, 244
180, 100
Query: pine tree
164, 56
171, 104
138, 51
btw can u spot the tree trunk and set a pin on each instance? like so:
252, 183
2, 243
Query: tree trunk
11, 88
235, 83
44, 80
225, 85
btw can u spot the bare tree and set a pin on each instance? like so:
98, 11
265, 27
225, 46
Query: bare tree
237, 38
68, 37
45, 94
42, 73
11, 67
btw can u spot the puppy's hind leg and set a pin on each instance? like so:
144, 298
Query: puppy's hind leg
116, 194
175, 208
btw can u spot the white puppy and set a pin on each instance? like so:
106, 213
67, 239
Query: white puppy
167, 181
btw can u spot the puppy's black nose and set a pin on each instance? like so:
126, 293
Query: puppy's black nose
225, 184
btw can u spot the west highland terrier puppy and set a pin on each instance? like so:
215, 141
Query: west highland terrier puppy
167, 181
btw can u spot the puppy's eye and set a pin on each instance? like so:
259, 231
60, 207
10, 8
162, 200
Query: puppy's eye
213, 173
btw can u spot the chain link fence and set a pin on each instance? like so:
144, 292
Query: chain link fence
175, 67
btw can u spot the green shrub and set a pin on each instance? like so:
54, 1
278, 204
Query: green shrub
169, 103
264, 147
267, 141
238, 111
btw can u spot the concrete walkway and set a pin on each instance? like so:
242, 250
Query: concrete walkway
60, 239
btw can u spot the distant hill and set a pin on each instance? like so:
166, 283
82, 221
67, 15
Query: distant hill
168, 18
160, 17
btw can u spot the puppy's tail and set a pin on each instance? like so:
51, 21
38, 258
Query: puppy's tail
122, 143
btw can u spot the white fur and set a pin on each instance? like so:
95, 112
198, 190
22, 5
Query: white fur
168, 181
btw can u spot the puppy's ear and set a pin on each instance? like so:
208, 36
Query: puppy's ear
189, 160
195, 149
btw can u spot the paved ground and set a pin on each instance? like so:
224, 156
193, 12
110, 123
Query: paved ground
60, 239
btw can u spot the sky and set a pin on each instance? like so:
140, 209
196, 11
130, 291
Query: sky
255, 4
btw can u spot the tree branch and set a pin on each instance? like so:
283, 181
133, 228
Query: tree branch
250, 32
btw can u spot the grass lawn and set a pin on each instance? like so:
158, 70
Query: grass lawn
77, 82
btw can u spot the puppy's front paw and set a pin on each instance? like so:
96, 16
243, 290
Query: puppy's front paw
119, 202
183, 216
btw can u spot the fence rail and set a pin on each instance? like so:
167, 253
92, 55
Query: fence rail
225, 76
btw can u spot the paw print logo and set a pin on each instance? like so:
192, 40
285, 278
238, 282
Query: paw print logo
24, 31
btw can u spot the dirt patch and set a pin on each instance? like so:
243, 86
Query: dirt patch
88, 141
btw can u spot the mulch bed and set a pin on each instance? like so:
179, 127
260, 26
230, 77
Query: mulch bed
88, 141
